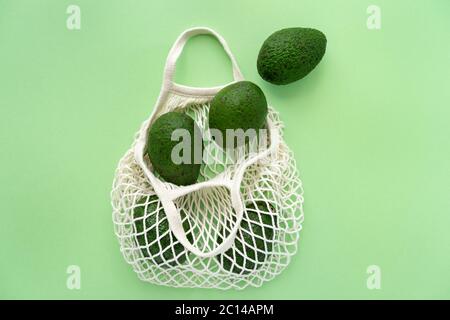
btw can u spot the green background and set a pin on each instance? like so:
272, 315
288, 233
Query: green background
369, 128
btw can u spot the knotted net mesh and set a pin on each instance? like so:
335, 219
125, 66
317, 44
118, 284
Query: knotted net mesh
267, 236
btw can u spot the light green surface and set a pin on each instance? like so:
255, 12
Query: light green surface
369, 128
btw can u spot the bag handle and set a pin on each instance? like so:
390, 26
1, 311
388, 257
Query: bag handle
179, 44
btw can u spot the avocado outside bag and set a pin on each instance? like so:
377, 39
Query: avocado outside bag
237, 226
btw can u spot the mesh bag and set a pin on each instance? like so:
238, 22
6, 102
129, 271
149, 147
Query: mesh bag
237, 226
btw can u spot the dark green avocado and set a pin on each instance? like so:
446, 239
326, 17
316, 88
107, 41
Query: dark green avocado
241, 105
160, 146
290, 54
242, 258
154, 237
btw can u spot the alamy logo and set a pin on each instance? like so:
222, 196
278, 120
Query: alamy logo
374, 278
374, 18
73, 21
235, 141
74, 279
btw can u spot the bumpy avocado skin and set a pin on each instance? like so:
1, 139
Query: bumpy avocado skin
160, 146
241, 264
290, 54
241, 105
155, 226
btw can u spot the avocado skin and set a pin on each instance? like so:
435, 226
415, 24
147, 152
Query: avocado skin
241, 264
157, 225
241, 105
290, 54
160, 146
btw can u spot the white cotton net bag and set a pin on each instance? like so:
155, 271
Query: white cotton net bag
237, 226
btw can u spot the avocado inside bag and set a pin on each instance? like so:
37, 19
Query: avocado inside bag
238, 225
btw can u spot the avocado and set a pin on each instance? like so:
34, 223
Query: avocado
290, 54
154, 237
242, 258
241, 105
160, 146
